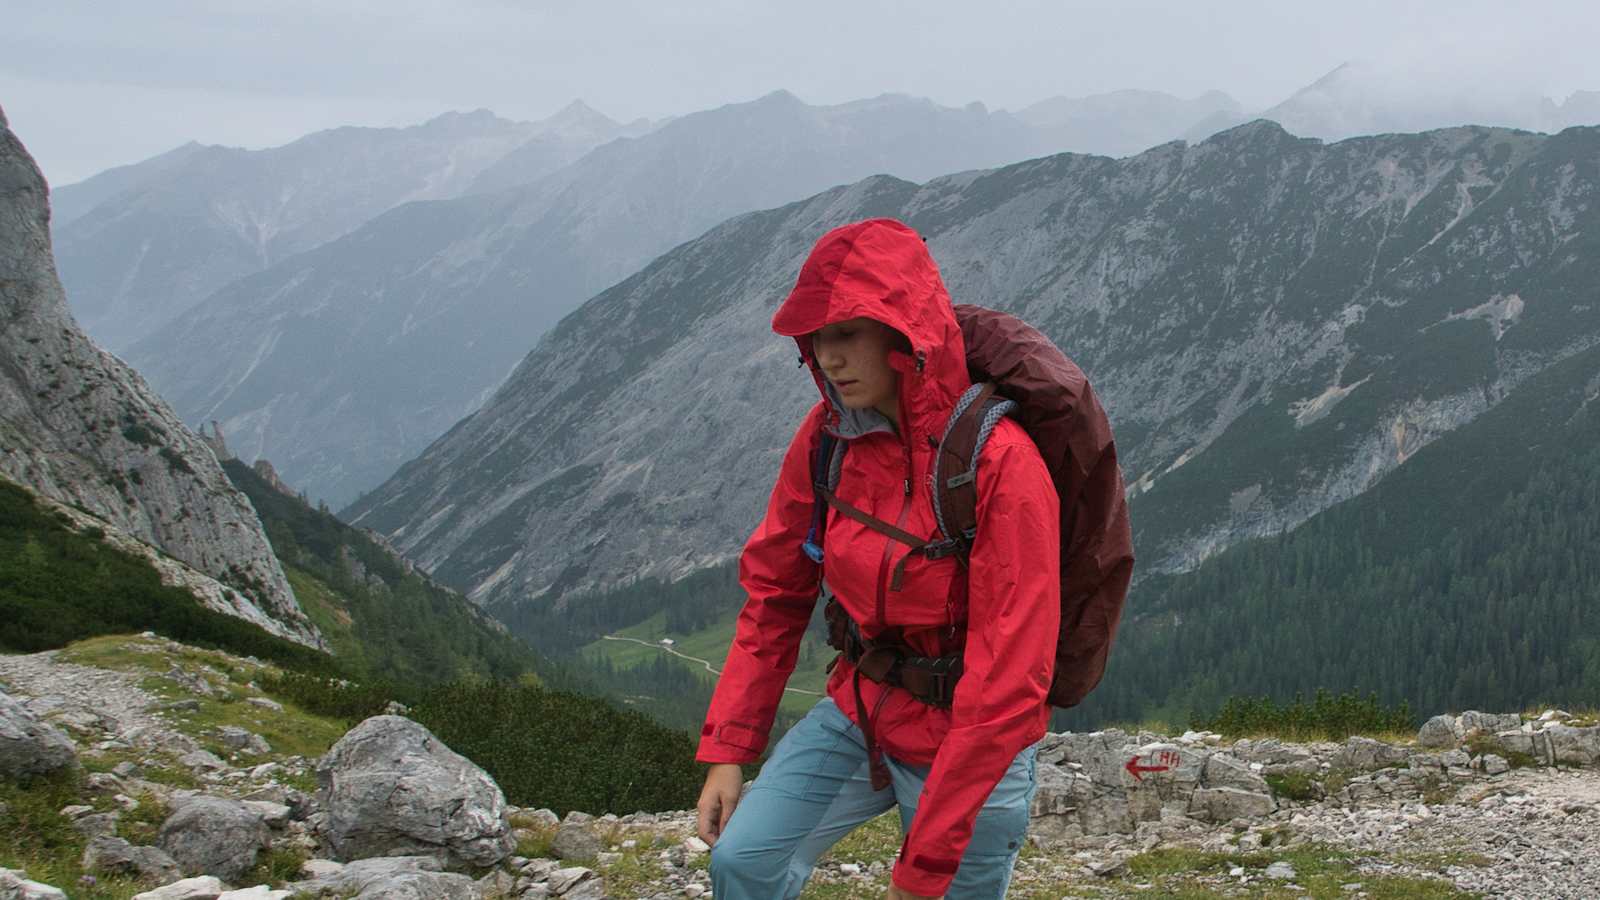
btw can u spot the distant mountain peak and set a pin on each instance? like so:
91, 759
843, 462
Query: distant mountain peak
455, 120
779, 97
580, 114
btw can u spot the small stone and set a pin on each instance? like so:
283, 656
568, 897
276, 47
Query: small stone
205, 887
127, 770
694, 890
1108, 868
1494, 765
608, 858
1236, 871
259, 892
264, 703
695, 845
850, 869
182, 706
321, 868
563, 880
75, 811
1281, 871
202, 759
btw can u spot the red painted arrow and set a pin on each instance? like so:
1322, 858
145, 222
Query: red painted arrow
1134, 769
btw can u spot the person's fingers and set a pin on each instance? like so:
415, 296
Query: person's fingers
728, 803
707, 820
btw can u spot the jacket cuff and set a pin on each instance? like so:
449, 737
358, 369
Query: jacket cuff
730, 742
922, 875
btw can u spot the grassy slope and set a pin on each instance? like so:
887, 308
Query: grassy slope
381, 620
711, 644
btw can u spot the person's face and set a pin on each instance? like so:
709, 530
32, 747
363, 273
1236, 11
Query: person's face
854, 357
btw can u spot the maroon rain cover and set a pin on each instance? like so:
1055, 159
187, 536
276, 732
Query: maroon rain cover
1060, 412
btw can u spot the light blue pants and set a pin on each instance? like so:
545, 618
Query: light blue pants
815, 789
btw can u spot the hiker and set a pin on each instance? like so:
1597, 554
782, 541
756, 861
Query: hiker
878, 332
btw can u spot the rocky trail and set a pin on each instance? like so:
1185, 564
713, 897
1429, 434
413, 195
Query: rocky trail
196, 784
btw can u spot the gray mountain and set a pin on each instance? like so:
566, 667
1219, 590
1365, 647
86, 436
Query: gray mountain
1121, 123
187, 226
341, 363
1274, 323
81, 428
1366, 98
558, 142
71, 201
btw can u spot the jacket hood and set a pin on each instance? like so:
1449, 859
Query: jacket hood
881, 269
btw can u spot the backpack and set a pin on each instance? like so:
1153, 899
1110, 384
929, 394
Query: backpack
1019, 372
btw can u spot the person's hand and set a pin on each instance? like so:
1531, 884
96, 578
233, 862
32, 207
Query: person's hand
717, 800
902, 894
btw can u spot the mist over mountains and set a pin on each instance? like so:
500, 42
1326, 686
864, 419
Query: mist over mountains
140, 244
1272, 322
344, 361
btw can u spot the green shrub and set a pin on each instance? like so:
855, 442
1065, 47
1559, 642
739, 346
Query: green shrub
175, 461
331, 697
139, 434
563, 751
58, 586
1324, 717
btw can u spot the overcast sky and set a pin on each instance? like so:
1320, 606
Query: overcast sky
89, 84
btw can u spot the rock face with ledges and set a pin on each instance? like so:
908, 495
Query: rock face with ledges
389, 787
79, 427
1274, 324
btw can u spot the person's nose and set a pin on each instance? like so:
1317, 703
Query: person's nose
828, 356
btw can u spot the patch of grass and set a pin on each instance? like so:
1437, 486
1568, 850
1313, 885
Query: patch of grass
876, 839
172, 776
290, 732
1320, 871
43, 843
140, 825
1325, 716
276, 867
1479, 744
631, 876
1294, 785
1440, 861
535, 840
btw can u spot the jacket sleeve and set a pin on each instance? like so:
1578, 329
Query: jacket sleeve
780, 584
1000, 706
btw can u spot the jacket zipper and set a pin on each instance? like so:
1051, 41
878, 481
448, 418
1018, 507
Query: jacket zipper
905, 505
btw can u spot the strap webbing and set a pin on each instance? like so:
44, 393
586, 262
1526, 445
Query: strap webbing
878, 525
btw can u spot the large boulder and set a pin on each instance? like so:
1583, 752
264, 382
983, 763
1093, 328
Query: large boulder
29, 746
1439, 733
1363, 754
1225, 804
1489, 723
213, 836
389, 787
1574, 746
115, 856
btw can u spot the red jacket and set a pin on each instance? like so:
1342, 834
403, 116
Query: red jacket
1009, 600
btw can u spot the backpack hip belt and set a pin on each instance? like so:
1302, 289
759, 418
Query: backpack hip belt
931, 679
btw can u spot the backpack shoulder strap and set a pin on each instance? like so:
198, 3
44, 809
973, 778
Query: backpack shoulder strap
955, 467
824, 477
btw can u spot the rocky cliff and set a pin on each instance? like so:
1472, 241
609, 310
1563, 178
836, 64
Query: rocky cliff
80, 427
1274, 323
